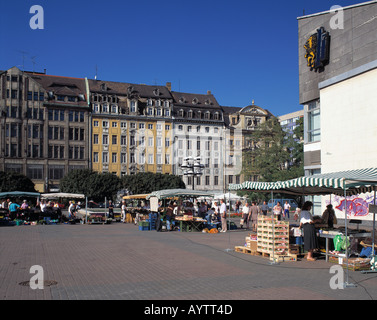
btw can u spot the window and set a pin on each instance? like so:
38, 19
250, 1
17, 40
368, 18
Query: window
105, 157
114, 124
123, 157
123, 140
56, 172
95, 157
105, 139
314, 124
114, 157
150, 126
216, 180
114, 139
105, 124
150, 158
133, 106
158, 158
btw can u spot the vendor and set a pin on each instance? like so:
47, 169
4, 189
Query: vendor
169, 215
307, 223
329, 216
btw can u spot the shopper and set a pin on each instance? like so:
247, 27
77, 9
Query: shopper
169, 215
245, 215
254, 211
264, 208
123, 211
277, 211
13, 209
329, 216
307, 223
224, 227
287, 207
111, 210
71, 210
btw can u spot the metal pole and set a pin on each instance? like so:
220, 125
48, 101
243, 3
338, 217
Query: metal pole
273, 262
346, 284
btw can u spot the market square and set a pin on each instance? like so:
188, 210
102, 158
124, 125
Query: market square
118, 262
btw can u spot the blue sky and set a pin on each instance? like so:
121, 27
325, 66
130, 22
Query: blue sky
240, 50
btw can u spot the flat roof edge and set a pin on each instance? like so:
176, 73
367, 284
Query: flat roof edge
344, 8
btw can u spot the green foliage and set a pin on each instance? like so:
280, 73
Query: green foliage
96, 186
276, 155
12, 181
147, 182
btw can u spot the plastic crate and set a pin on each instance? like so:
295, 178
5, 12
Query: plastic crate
141, 228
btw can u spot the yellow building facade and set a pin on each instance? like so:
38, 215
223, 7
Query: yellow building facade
131, 128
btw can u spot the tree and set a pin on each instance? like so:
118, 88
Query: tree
96, 186
147, 182
274, 155
12, 181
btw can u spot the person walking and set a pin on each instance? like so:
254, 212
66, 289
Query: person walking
287, 207
254, 211
245, 215
224, 227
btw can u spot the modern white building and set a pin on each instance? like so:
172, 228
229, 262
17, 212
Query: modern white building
338, 82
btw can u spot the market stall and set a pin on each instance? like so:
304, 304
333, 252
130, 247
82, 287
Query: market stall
344, 183
184, 199
28, 215
81, 214
137, 208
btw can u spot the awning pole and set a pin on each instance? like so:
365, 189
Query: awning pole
346, 284
273, 262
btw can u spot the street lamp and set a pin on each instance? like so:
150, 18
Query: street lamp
192, 167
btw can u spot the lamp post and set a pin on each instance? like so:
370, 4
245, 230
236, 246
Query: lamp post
192, 167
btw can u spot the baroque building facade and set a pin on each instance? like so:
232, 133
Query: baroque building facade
50, 125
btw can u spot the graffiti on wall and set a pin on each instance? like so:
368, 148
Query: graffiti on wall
357, 206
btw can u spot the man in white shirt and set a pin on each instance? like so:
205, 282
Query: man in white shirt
287, 207
223, 216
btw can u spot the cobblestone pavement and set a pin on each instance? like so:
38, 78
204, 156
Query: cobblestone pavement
119, 262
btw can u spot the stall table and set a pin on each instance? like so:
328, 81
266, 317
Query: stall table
192, 224
331, 235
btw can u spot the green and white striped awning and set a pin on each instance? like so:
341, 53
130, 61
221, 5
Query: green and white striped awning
351, 182
171, 193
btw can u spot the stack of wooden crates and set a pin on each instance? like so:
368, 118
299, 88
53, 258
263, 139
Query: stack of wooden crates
273, 238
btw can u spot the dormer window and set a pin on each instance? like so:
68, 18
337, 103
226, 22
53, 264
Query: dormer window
195, 101
149, 102
156, 92
133, 106
189, 114
181, 113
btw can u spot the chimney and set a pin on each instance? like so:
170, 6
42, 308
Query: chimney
208, 91
168, 85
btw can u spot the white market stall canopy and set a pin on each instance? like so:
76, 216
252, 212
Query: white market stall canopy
62, 195
350, 182
226, 196
171, 193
